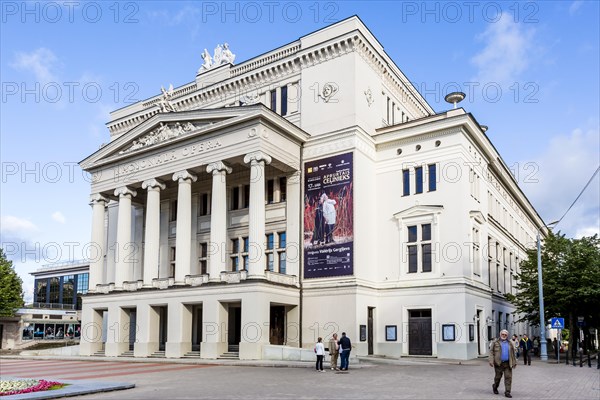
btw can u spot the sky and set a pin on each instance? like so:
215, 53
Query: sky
530, 71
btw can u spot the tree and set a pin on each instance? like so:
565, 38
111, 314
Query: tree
571, 278
11, 288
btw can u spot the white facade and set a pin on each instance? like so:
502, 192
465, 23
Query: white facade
199, 207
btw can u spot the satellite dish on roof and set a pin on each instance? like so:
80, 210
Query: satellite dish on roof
455, 98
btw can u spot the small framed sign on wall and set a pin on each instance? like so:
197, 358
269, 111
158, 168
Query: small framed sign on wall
391, 333
363, 333
448, 333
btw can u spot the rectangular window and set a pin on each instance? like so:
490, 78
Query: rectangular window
235, 250
393, 112
284, 100
412, 259
387, 118
282, 266
412, 234
425, 232
173, 211
235, 198
282, 188
426, 257
270, 191
204, 204
246, 196
40, 290
432, 177
270, 241
203, 258
172, 263
282, 239
270, 263
419, 180
274, 100
405, 182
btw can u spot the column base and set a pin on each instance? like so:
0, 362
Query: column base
144, 349
251, 351
177, 349
89, 348
115, 349
212, 350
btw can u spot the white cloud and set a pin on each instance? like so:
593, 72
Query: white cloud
59, 217
574, 7
40, 62
15, 226
507, 53
557, 176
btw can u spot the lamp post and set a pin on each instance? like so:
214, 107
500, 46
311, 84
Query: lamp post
543, 344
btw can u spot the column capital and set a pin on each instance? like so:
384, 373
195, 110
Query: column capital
152, 184
184, 176
257, 156
124, 191
97, 198
218, 166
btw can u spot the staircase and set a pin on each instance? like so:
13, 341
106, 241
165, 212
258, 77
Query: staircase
99, 353
128, 353
192, 354
233, 353
158, 354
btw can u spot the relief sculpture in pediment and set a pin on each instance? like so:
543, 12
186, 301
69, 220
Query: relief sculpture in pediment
161, 134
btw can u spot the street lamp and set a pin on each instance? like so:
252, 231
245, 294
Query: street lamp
543, 344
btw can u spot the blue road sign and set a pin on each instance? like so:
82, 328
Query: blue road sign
557, 323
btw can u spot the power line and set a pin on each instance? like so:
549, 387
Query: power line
580, 193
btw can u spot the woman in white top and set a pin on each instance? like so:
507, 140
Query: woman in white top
320, 351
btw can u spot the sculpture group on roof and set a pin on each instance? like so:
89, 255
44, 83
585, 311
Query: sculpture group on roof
222, 55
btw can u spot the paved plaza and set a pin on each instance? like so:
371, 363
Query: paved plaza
407, 379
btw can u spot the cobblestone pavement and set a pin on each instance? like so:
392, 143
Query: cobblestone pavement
433, 381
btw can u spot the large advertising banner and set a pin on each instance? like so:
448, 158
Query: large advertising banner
328, 217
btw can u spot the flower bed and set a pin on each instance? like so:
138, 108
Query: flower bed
19, 386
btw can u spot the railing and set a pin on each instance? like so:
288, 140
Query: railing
54, 306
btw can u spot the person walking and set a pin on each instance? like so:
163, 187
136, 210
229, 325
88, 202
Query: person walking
320, 351
345, 348
515, 342
502, 358
334, 351
526, 346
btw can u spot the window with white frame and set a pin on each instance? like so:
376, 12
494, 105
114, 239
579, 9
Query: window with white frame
172, 262
418, 248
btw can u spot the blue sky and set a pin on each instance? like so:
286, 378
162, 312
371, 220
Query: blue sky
530, 70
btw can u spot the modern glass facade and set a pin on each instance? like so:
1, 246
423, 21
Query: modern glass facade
61, 291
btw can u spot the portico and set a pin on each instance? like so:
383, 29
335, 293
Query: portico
194, 212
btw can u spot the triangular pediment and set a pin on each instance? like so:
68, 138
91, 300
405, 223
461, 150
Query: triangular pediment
419, 210
163, 129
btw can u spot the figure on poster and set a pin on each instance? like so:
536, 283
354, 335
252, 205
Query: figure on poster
318, 236
330, 215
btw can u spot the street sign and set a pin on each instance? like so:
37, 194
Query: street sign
557, 323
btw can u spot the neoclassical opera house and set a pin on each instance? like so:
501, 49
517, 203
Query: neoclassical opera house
306, 191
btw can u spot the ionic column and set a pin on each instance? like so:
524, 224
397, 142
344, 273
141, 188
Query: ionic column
184, 225
152, 231
98, 203
123, 262
256, 234
217, 261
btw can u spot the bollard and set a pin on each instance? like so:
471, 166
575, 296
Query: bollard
589, 360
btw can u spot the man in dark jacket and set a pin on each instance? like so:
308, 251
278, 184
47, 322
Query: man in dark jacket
526, 345
345, 347
502, 358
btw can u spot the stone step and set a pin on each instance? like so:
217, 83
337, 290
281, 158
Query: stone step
158, 354
128, 353
192, 354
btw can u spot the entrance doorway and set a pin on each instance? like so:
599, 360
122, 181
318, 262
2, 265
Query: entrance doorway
419, 333
277, 325
196, 327
132, 328
370, 330
162, 327
234, 325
